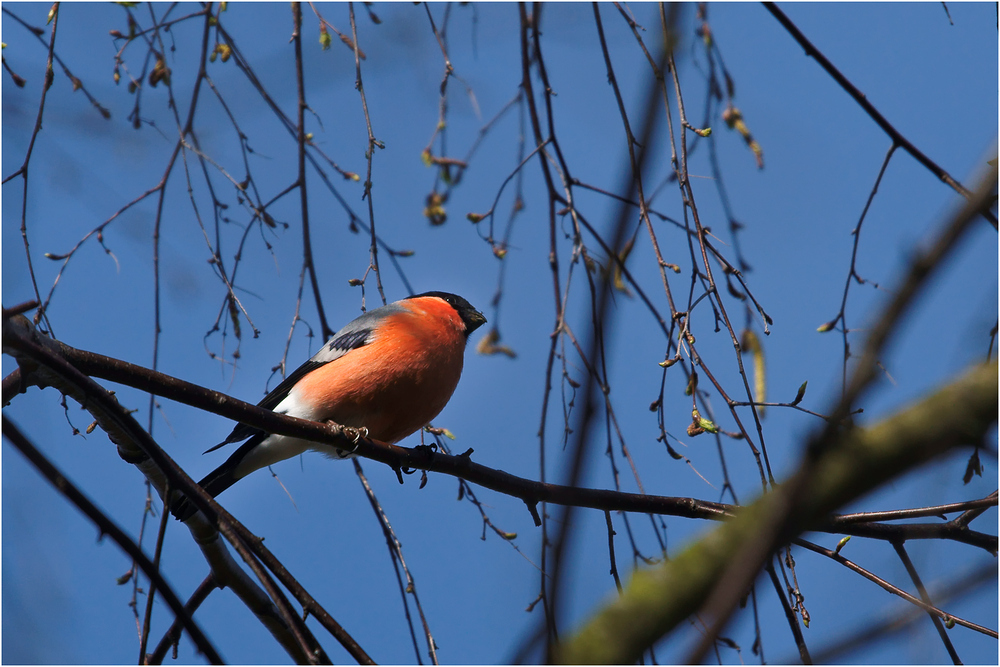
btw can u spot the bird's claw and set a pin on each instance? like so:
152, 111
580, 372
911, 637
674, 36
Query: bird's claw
354, 434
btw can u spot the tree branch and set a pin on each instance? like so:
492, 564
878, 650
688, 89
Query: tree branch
870, 109
41, 364
109, 527
656, 600
463, 467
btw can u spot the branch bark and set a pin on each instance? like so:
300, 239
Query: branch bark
402, 459
41, 364
656, 600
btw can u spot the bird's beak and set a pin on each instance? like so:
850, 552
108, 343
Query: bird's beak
474, 321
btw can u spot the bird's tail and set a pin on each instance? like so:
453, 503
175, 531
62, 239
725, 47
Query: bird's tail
216, 481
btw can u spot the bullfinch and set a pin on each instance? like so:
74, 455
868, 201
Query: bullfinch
390, 371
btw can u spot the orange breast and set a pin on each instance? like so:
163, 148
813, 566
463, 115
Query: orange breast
398, 382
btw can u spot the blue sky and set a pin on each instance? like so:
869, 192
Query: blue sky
936, 81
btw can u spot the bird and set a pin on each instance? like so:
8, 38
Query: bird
387, 373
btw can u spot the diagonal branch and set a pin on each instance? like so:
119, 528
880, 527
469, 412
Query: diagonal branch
938, 625
895, 590
41, 365
880, 120
174, 633
788, 502
109, 527
656, 600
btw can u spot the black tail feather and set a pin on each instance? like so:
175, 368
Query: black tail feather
216, 481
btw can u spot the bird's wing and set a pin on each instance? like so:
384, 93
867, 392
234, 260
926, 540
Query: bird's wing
357, 333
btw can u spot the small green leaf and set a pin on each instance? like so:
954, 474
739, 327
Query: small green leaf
708, 425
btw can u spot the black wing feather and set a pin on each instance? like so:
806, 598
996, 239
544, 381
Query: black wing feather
218, 480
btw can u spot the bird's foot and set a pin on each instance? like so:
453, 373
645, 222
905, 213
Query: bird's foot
355, 435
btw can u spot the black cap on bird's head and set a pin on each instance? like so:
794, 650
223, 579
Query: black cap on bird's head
471, 317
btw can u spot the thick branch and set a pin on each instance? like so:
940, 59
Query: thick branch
745, 566
656, 600
957, 415
41, 364
530, 491
108, 527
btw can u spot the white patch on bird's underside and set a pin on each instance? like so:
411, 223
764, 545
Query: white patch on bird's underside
275, 448
271, 449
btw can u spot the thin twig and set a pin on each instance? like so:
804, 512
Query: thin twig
862, 101
915, 577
